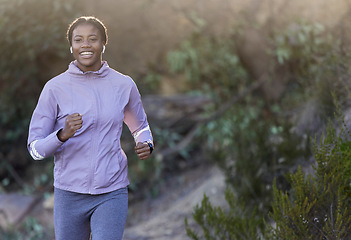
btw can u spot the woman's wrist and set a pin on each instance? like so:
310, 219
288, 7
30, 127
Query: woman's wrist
61, 136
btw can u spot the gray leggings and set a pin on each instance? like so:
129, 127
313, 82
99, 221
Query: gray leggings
77, 215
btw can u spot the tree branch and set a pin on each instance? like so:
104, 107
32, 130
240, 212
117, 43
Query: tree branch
203, 120
12, 172
231, 101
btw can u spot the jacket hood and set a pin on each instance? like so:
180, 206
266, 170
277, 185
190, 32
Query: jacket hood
74, 70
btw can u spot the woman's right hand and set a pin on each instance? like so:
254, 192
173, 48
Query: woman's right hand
73, 122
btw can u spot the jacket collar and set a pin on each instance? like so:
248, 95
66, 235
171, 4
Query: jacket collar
74, 70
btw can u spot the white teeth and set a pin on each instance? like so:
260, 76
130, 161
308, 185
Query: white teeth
86, 53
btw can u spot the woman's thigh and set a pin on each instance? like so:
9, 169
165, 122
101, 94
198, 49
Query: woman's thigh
109, 217
71, 216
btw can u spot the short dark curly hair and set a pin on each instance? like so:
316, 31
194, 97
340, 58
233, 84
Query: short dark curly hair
90, 20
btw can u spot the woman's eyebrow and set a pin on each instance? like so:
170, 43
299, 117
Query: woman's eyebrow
91, 35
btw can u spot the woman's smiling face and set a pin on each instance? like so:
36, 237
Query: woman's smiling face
87, 47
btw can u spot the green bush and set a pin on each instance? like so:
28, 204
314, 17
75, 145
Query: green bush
257, 142
211, 65
219, 224
32, 46
318, 206
30, 229
316, 63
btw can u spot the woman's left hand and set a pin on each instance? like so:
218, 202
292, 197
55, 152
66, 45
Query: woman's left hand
142, 150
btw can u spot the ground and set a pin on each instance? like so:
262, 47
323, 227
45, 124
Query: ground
162, 217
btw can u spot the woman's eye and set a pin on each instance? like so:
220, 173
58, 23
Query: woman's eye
77, 40
93, 39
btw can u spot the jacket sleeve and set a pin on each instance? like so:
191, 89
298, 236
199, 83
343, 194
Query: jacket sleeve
135, 117
42, 139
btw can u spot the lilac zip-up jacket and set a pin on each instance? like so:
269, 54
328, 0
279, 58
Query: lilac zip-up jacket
91, 161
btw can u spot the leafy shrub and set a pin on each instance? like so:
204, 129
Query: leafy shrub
316, 62
30, 229
33, 40
258, 142
318, 206
255, 141
211, 66
216, 223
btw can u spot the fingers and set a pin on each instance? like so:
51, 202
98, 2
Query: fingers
140, 145
142, 150
74, 117
74, 122
144, 155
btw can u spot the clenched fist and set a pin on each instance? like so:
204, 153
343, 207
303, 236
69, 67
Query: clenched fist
142, 150
73, 122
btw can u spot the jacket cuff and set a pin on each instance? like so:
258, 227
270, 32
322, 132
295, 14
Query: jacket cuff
43, 148
144, 135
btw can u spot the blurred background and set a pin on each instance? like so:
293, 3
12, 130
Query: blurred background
233, 90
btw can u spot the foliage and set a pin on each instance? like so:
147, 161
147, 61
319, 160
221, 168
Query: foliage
29, 230
253, 141
318, 206
300, 39
33, 38
267, 154
152, 81
149, 174
256, 141
216, 223
316, 63
211, 65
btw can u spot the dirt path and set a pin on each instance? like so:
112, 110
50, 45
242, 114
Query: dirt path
163, 218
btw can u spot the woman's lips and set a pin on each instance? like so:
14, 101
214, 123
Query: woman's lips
86, 54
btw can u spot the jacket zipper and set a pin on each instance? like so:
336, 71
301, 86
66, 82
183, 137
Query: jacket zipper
94, 137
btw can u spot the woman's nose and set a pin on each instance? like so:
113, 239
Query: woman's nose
86, 43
